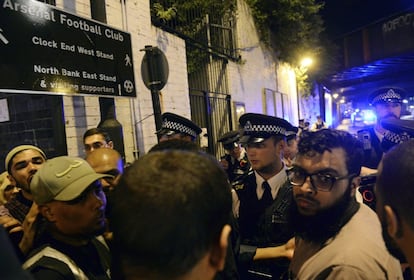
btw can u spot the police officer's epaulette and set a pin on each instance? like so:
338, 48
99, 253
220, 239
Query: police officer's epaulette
237, 185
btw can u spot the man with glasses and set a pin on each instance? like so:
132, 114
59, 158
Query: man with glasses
96, 138
261, 200
177, 127
336, 237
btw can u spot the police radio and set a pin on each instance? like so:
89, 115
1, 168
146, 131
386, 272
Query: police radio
365, 138
366, 189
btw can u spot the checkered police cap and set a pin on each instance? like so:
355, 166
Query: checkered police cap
387, 95
291, 132
258, 127
178, 124
230, 139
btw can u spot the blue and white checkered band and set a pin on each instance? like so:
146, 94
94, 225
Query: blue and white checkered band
390, 94
179, 128
250, 128
396, 138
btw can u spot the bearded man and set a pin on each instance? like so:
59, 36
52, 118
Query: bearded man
336, 237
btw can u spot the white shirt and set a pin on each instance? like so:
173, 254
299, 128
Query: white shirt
275, 183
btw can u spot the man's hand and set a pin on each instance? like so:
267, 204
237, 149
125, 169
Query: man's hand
282, 251
290, 248
11, 224
29, 229
225, 164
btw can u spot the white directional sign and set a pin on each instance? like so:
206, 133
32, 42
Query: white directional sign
46, 49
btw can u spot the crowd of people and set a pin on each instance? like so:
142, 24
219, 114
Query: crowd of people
280, 204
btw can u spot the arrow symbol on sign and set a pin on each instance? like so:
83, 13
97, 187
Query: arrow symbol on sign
2, 38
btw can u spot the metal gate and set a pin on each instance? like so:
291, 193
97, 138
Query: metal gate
212, 111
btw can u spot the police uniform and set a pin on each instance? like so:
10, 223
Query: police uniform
398, 131
262, 225
369, 137
237, 168
173, 123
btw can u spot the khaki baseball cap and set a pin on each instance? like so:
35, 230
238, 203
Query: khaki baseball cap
62, 178
19, 149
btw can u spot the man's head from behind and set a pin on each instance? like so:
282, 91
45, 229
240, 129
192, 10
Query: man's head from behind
107, 161
395, 195
325, 176
175, 206
70, 196
96, 138
177, 127
22, 162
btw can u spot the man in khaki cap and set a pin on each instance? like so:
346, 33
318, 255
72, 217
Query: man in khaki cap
70, 199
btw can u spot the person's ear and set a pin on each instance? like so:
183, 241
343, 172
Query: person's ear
12, 180
111, 144
392, 222
356, 181
47, 212
219, 251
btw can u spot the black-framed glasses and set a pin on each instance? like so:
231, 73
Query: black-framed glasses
320, 181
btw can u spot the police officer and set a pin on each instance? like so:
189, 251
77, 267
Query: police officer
291, 148
177, 127
235, 160
387, 104
398, 131
263, 198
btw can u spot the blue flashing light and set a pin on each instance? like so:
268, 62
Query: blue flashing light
369, 116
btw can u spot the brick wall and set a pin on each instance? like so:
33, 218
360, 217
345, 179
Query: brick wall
256, 70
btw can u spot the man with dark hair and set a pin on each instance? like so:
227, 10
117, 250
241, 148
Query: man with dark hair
319, 124
336, 237
177, 127
69, 195
395, 195
262, 198
170, 217
96, 138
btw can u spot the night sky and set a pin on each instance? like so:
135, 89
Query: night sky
343, 16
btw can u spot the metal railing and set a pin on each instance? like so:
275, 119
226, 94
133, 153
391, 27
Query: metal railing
212, 111
213, 33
